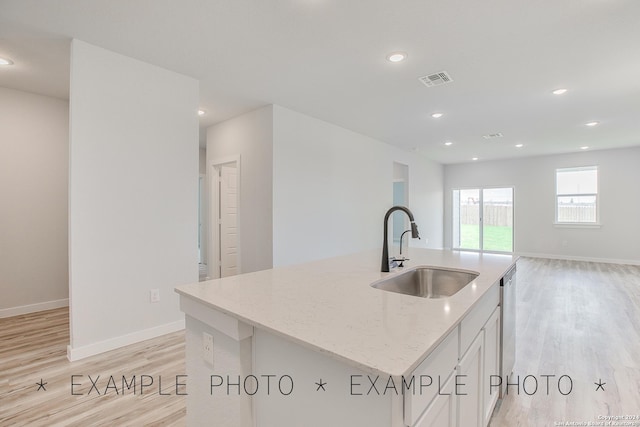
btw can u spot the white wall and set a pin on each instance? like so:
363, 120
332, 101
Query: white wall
534, 213
249, 136
332, 187
34, 149
133, 197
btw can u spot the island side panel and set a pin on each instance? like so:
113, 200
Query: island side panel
325, 392
224, 405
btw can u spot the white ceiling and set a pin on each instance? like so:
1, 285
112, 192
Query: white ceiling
326, 58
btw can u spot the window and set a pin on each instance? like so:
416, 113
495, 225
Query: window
577, 195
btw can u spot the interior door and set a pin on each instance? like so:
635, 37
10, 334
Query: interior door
228, 220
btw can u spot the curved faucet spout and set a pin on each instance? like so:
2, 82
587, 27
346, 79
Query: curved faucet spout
385, 244
401, 238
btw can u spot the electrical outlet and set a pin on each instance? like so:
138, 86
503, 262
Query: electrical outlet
154, 295
207, 348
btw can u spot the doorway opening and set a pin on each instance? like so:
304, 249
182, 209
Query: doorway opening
483, 219
224, 247
399, 220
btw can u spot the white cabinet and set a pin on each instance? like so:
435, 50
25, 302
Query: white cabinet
480, 360
443, 410
438, 366
467, 398
469, 384
473, 322
491, 365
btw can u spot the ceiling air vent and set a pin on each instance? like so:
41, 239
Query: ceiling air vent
436, 79
493, 135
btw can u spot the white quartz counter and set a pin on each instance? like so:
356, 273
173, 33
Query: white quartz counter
329, 306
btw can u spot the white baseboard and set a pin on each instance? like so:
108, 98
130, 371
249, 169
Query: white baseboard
84, 351
33, 308
578, 258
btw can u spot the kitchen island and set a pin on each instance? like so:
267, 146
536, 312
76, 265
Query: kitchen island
315, 344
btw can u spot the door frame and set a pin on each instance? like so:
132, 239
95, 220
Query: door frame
203, 237
213, 170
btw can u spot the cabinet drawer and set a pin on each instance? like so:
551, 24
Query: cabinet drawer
438, 366
477, 317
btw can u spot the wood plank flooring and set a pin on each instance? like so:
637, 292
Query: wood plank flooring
582, 320
33, 347
576, 319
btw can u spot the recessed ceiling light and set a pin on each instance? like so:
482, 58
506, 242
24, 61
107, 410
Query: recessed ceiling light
396, 57
437, 115
559, 91
448, 143
584, 148
201, 112
592, 124
519, 145
6, 61
474, 159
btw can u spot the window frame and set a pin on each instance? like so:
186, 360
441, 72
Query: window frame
596, 195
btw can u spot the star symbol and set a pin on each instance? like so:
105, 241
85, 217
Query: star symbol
41, 385
599, 384
321, 385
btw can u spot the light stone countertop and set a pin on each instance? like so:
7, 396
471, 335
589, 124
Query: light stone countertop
330, 307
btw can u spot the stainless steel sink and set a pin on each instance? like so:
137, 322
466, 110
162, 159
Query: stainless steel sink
427, 282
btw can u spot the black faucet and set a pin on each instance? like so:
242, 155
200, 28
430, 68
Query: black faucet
385, 244
402, 237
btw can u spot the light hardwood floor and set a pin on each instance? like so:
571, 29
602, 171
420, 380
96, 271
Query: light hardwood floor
578, 319
33, 347
573, 318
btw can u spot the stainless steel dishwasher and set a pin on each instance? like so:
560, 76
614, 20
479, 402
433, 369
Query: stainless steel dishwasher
508, 326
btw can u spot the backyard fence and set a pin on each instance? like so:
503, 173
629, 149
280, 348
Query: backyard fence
577, 212
500, 215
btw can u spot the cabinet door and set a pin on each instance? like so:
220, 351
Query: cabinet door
491, 365
442, 412
469, 384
